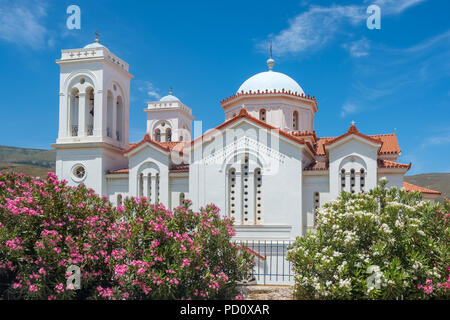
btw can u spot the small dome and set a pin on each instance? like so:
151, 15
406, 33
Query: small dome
270, 80
96, 44
169, 98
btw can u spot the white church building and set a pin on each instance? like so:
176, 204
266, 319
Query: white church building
264, 165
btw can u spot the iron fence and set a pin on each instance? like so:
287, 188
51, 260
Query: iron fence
271, 265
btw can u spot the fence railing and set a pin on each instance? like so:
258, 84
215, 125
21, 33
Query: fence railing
270, 258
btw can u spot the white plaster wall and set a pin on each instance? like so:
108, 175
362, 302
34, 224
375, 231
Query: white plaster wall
311, 184
394, 179
281, 181
116, 186
178, 185
150, 154
357, 149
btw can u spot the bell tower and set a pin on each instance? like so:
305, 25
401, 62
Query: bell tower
94, 101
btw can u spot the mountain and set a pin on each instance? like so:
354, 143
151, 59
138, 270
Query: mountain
35, 162
38, 162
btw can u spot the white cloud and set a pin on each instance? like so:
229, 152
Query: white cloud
358, 48
22, 23
314, 28
148, 88
349, 108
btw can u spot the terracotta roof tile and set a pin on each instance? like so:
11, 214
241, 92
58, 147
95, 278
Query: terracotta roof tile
410, 187
149, 140
392, 164
317, 166
120, 171
179, 168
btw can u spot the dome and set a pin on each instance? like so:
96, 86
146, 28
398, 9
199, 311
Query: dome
96, 44
169, 98
270, 80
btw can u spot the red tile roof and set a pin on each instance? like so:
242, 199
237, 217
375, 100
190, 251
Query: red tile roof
389, 143
149, 140
180, 168
317, 166
120, 171
410, 187
387, 164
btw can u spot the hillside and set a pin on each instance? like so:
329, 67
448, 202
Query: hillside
35, 162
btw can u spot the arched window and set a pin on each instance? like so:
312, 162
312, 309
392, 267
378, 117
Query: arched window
158, 135
343, 179
109, 116
149, 187
295, 120
316, 205
232, 192
182, 197
168, 135
157, 189
141, 185
352, 180
258, 196
262, 114
74, 111
119, 119
119, 200
362, 179
90, 112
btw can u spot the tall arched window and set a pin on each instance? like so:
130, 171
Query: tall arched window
119, 119
362, 179
258, 196
158, 135
262, 114
295, 120
343, 179
316, 205
74, 111
149, 187
168, 134
352, 180
141, 185
109, 116
90, 112
157, 188
232, 192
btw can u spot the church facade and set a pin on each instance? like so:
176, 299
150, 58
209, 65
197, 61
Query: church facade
264, 166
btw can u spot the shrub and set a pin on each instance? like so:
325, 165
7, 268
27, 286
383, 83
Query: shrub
139, 251
384, 244
178, 255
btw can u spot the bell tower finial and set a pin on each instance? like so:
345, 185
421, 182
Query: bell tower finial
96, 36
171, 91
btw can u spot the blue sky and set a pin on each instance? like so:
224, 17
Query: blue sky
395, 78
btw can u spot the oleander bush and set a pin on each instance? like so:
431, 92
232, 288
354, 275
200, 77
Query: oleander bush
139, 251
384, 244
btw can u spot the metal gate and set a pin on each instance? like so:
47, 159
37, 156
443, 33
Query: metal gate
271, 267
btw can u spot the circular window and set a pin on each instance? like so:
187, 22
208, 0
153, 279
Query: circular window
79, 172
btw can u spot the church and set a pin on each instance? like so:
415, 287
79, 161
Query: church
264, 165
